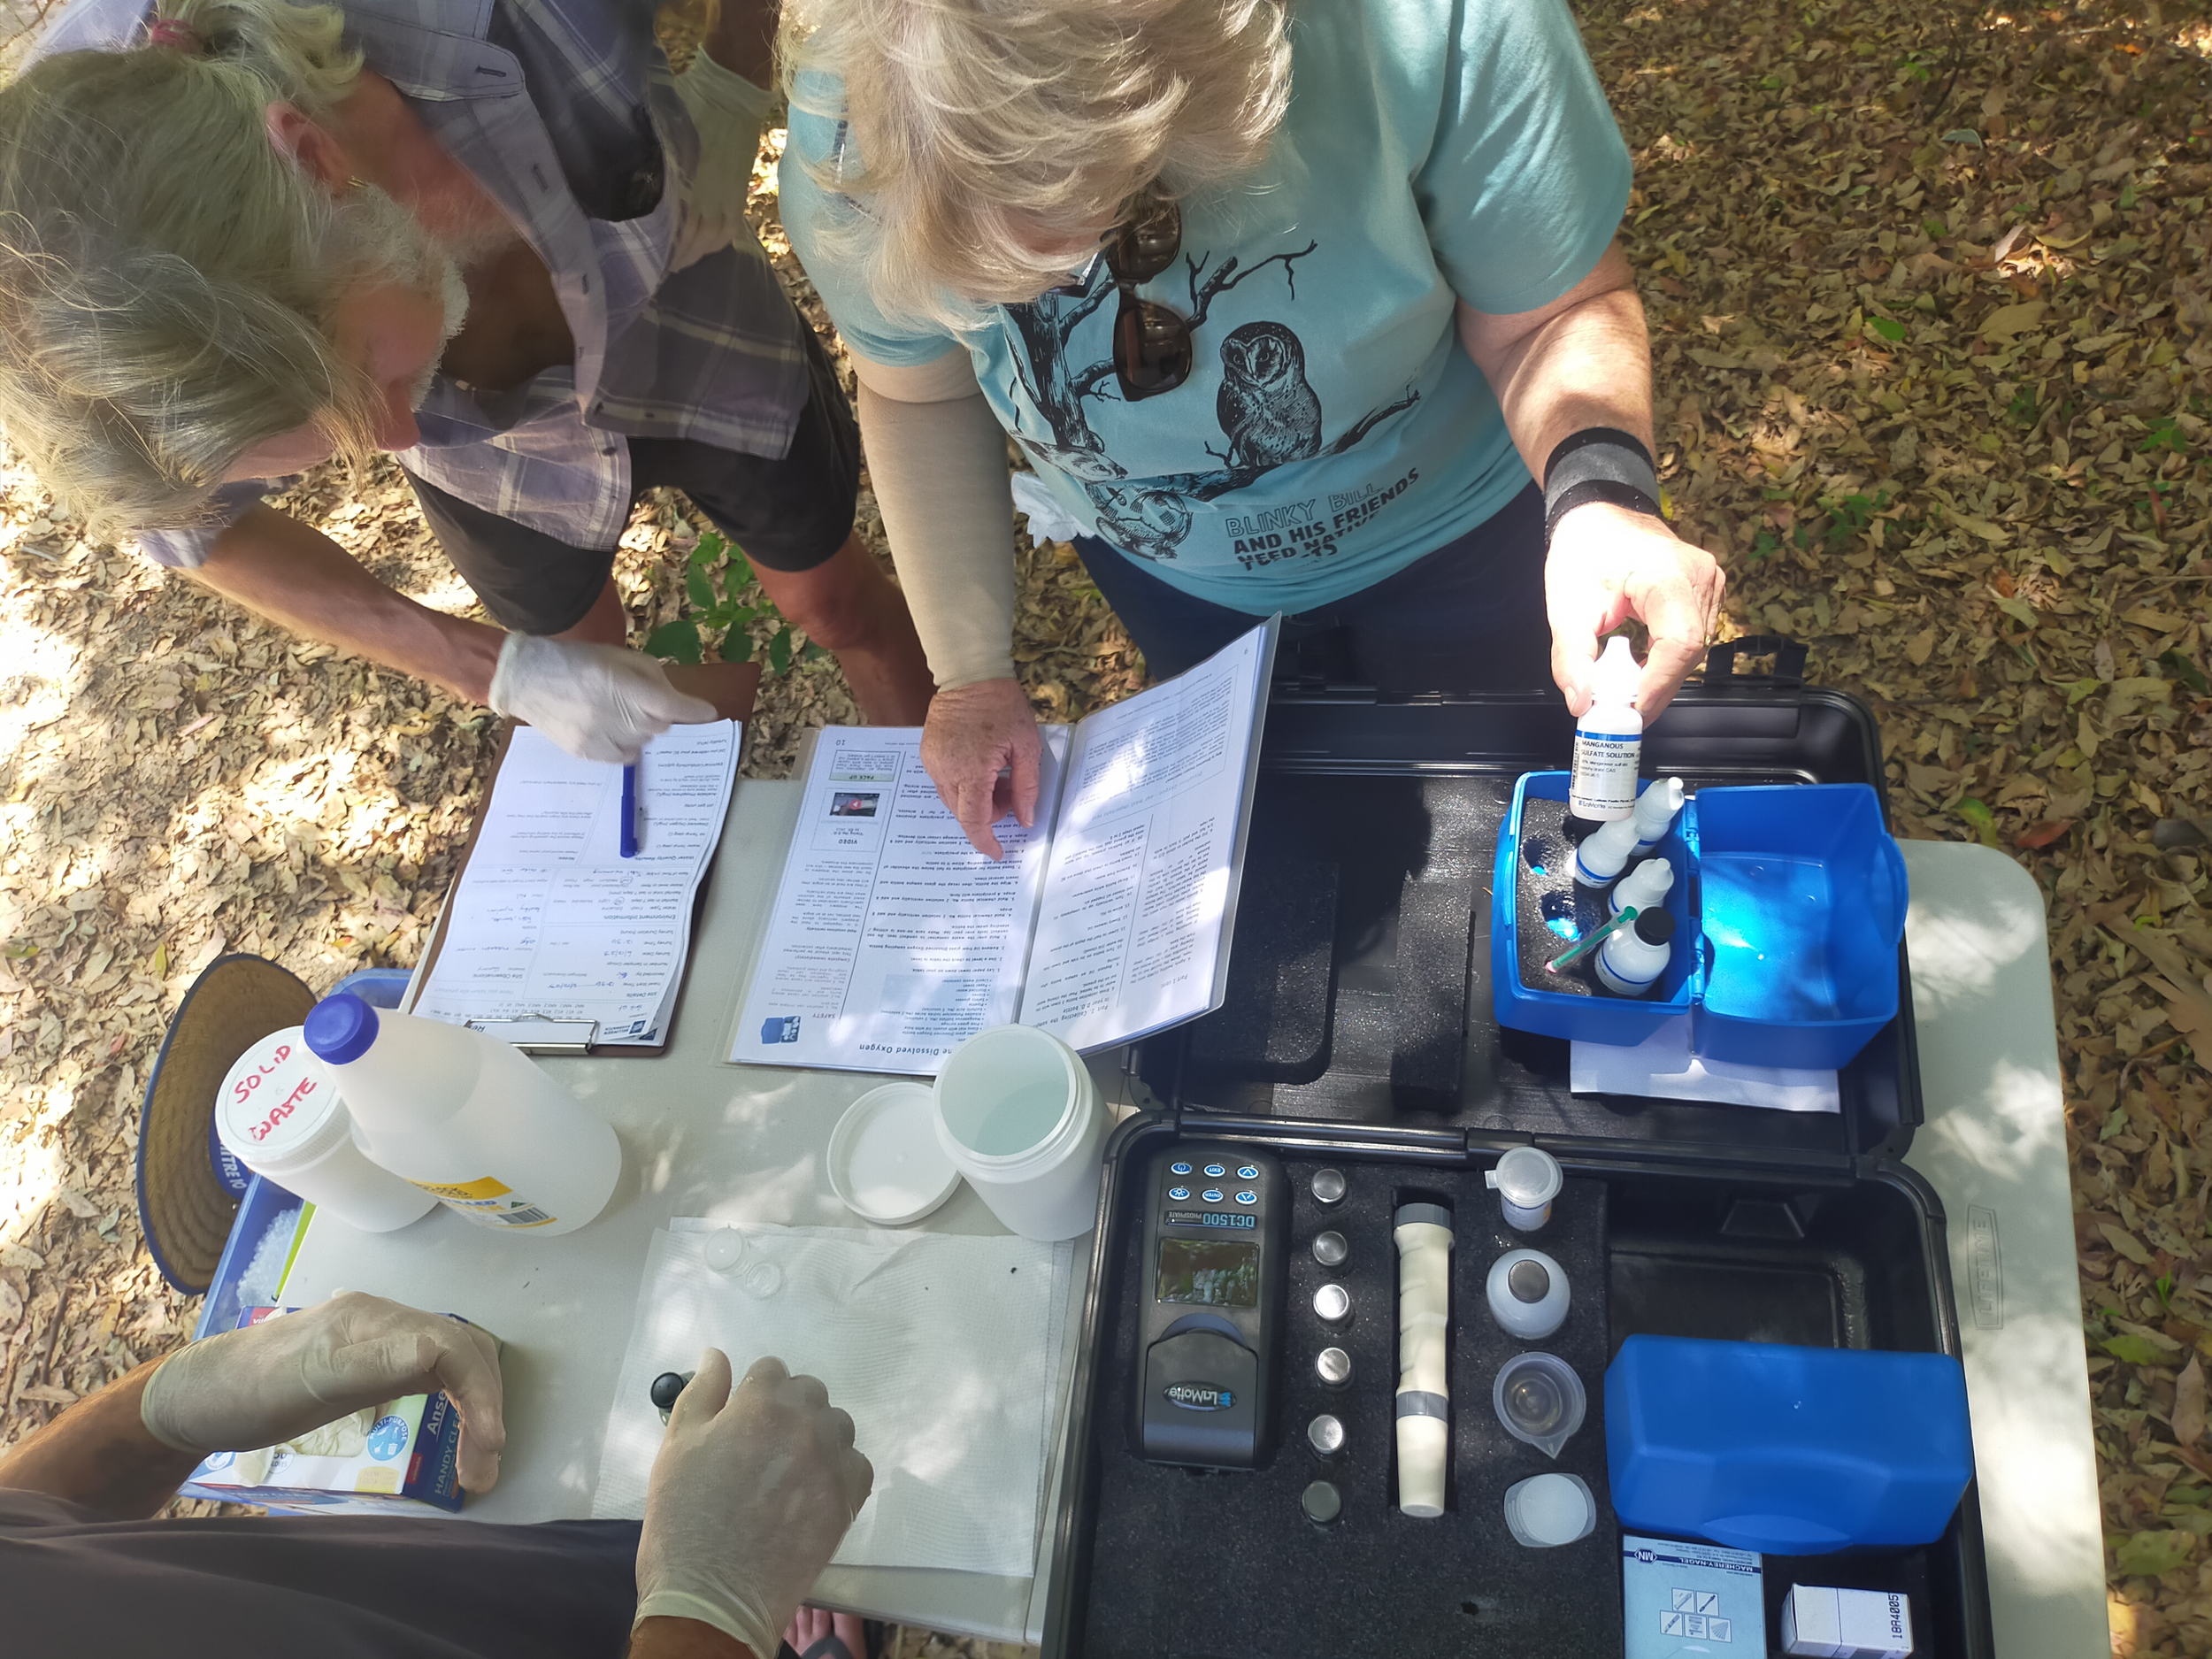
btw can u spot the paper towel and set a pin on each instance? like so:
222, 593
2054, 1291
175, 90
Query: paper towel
945, 1348
1661, 1067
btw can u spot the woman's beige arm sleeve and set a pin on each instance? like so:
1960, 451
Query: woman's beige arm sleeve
937, 456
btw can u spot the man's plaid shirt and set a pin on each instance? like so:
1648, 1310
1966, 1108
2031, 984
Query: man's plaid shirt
567, 111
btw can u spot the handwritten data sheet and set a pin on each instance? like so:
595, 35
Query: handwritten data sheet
549, 922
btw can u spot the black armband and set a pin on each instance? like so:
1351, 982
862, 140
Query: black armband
1599, 463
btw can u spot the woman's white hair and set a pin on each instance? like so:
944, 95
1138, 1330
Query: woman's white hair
983, 131
168, 279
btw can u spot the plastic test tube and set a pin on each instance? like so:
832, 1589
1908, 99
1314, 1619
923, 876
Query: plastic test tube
1424, 1235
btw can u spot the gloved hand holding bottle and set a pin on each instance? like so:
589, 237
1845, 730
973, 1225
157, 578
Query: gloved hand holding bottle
750, 1494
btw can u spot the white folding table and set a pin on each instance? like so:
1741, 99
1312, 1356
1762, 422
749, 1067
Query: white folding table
704, 1138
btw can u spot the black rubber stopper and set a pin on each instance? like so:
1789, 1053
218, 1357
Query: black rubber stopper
1322, 1503
1528, 1281
666, 1387
1654, 926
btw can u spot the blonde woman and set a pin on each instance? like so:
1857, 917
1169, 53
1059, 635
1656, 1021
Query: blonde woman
1288, 306
500, 241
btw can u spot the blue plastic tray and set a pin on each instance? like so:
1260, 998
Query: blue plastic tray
1794, 896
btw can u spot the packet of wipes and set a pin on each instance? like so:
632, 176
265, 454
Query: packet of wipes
382, 1460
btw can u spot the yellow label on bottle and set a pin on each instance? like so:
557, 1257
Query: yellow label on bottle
491, 1202
465, 1190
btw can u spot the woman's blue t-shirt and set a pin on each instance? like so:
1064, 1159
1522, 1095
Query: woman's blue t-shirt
1334, 430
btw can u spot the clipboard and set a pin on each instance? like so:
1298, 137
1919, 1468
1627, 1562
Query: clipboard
731, 688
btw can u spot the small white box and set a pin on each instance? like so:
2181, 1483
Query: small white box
1819, 1623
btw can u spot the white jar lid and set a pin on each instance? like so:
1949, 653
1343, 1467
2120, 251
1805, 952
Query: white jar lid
886, 1162
1527, 1177
278, 1106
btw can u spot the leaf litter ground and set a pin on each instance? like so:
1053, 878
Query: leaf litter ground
1932, 327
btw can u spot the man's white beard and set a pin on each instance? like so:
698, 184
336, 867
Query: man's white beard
393, 245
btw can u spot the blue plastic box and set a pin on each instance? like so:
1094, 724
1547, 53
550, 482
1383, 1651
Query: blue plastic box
1794, 896
1788, 1451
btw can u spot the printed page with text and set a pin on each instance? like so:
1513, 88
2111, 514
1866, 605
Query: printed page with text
892, 939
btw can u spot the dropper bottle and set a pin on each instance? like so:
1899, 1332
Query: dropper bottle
1609, 739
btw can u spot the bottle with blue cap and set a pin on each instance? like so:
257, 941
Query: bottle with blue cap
468, 1119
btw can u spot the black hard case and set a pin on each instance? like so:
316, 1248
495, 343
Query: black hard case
1711, 1221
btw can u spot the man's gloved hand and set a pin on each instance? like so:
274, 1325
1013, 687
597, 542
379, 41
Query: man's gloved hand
274, 1381
597, 701
750, 1495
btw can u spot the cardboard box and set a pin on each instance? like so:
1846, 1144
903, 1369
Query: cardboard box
1818, 1623
383, 1460
1681, 1598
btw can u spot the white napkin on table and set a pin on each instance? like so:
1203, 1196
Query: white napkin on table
944, 1348
1661, 1067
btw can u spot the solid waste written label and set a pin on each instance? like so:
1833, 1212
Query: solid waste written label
493, 1203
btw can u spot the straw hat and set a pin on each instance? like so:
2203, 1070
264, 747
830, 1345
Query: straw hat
184, 1210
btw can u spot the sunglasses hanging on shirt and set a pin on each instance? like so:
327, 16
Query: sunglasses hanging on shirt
1152, 343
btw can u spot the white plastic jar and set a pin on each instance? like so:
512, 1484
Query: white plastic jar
1019, 1116
281, 1115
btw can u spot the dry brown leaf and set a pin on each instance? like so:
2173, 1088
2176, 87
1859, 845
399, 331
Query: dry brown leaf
2187, 1419
2128, 1245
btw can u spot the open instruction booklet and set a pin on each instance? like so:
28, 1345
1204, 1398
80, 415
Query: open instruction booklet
892, 940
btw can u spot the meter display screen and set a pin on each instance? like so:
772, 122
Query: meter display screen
1216, 1272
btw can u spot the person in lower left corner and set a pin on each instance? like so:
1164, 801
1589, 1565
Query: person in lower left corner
753, 1487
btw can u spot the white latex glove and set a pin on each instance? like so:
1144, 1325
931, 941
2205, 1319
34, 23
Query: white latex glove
729, 112
750, 1495
274, 1381
597, 701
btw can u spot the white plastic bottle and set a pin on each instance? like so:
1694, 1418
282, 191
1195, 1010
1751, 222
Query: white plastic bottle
1631, 961
1607, 849
1609, 739
466, 1117
1645, 887
1655, 812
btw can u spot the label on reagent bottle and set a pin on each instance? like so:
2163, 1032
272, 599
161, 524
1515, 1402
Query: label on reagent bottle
493, 1203
1603, 785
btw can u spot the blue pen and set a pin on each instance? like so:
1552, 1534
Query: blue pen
629, 812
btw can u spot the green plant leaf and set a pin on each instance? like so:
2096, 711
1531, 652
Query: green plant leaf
2188, 672
1889, 329
737, 647
813, 653
677, 641
739, 616
739, 574
2151, 1554
699, 589
711, 547
2134, 1349
779, 651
